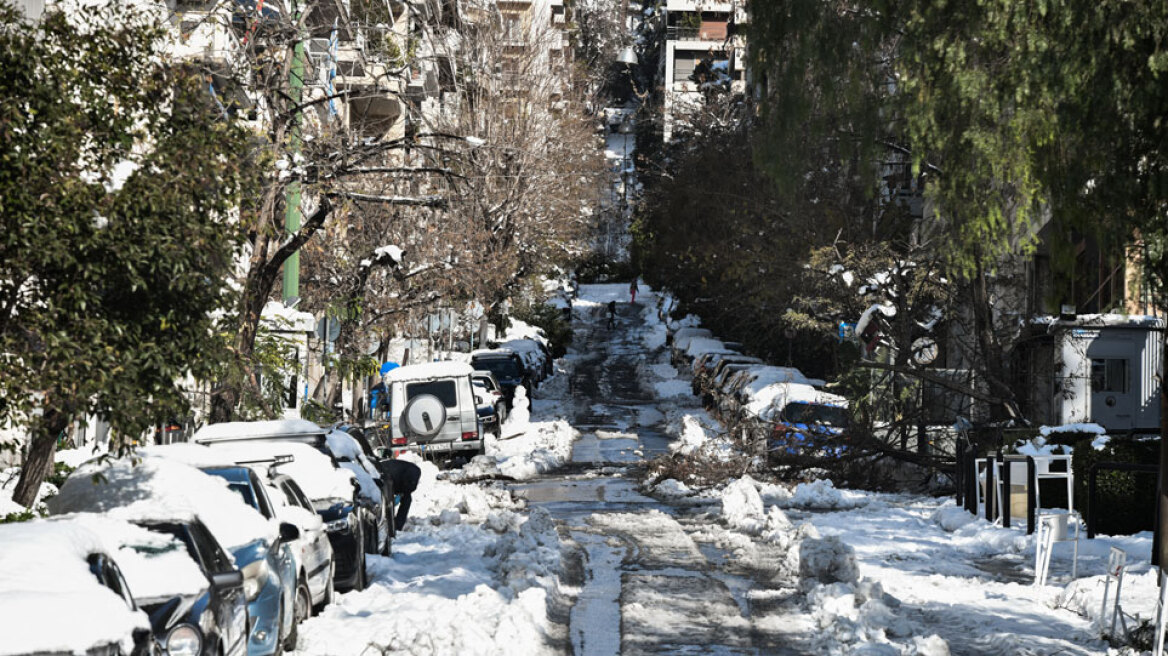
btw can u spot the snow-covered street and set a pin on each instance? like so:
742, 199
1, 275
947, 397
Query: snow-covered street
550, 544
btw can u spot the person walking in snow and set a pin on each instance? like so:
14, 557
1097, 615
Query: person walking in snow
633, 291
405, 476
612, 314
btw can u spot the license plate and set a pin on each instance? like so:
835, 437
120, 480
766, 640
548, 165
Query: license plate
437, 446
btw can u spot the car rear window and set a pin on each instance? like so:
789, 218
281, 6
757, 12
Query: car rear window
443, 389
501, 367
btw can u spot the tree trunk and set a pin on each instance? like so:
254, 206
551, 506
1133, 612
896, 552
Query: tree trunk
1159, 544
992, 359
39, 464
261, 278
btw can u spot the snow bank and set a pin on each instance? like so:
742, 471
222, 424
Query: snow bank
952, 517
544, 446
742, 507
469, 575
8, 479
820, 494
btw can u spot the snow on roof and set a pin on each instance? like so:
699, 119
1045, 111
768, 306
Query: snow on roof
315, 472
1096, 429
522, 345
682, 337
44, 574
250, 430
157, 566
161, 489
523, 330
699, 345
285, 319
1105, 321
429, 370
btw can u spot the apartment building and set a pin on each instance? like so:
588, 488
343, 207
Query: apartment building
702, 53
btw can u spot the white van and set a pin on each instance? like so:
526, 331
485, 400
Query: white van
433, 409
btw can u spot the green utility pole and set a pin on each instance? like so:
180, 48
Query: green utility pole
292, 197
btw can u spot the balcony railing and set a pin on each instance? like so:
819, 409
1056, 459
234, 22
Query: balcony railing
678, 33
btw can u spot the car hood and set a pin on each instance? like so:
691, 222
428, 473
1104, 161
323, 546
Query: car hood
165, 613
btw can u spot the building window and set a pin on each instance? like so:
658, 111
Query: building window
1109, 375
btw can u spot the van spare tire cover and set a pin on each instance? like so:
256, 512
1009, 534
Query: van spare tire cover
423, 416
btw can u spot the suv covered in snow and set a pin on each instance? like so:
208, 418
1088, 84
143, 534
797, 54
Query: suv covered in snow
433, 409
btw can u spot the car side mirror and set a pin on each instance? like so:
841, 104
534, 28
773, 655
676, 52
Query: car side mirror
289, 532
478, 400
142, 640
382, 453
225, 580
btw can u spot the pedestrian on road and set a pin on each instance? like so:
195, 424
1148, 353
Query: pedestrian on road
405, 476
612, 314
633, 290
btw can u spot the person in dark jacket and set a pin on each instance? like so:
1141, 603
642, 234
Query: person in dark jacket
405, 476
612, 314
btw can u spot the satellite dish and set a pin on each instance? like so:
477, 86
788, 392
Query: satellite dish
924, 350
423, 416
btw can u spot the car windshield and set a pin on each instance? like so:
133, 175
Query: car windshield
816, 413
501, 367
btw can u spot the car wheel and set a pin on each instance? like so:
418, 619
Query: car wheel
329, 591
359, 584
301, 609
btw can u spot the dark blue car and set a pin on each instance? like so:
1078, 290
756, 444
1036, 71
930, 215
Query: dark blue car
269, 570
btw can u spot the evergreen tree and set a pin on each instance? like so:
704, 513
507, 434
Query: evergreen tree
117, 179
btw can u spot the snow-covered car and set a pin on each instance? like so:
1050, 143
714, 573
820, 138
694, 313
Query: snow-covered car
508, 369
350, 517
490, 401
681, 340
433, 410
802, 419
62, 592
536, 351
152, 486
536, 358
184, 580
314, 549
349, 450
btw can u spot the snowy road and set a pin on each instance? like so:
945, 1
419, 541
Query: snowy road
549, 545
647, 586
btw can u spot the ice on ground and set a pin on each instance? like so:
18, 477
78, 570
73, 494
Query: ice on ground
666, 371
670, 388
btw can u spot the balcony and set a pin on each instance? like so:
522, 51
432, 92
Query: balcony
707, 31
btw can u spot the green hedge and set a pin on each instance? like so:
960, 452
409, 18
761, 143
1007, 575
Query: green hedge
1127, 500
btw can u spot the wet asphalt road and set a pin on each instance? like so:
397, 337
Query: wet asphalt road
650, 579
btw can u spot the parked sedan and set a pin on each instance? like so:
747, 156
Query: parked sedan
314, 550
333, 491
185, 581
142, 488
271, 573
61, 591
508, 368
